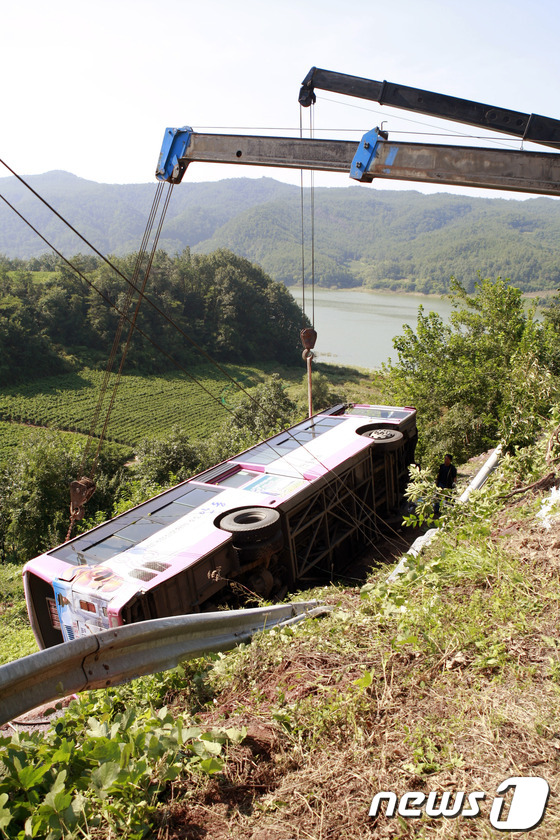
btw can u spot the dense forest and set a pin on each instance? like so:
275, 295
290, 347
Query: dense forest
52, 321
364, 236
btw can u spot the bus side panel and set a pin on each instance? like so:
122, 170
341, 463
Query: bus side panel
340, 514
188, 591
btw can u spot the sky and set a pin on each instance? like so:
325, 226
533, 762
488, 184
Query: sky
89, 87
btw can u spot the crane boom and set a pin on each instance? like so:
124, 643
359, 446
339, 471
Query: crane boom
182, 146
531, 127
375, 157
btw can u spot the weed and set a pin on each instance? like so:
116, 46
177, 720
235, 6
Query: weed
101, 769
16, 636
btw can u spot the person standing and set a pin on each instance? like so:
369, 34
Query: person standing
447, 474
446, 478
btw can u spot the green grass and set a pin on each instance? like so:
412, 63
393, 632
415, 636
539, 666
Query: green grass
144, 406
16, 636
13, 434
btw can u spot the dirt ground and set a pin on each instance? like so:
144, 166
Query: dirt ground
280, 786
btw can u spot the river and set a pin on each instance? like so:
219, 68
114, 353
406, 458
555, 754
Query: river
357, 327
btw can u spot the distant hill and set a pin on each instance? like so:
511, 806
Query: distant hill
363, 236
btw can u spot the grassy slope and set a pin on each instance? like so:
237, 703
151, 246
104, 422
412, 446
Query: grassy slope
448, 679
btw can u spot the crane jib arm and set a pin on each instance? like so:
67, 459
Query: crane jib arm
183, 146
531, 127
465, 166
375, 157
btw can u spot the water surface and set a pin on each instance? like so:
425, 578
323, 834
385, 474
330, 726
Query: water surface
357, 327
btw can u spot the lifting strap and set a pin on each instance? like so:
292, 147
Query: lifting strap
83, 489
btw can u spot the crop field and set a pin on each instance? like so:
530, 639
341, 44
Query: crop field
14, 434
145, 406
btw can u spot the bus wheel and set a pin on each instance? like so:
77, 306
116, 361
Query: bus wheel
387, 439
251, 524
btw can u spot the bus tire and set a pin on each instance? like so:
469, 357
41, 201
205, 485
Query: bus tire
386, 439
251, 524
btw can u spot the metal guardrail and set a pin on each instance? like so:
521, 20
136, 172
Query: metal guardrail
124, 653
419, 544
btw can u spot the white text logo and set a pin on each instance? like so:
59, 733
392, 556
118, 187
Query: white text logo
526, 808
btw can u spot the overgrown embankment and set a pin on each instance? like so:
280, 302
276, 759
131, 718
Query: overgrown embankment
447, 679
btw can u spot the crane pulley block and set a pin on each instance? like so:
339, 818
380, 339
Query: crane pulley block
308, 338
81, 492
366, 153
174, 146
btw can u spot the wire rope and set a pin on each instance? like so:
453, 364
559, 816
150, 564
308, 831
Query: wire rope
437, 130
312, 210
132, 325
142, 296
117, 338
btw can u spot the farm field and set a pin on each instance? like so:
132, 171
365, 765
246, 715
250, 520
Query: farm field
150, 406
145, 406
12, 434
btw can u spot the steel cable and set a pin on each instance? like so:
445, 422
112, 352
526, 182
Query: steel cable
143, 296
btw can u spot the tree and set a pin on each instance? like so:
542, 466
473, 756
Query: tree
35, 498
468, 379
219, 302
266, 410
164, 462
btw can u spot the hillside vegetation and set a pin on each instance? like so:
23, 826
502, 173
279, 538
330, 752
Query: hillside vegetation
445, 679
53, 320
363, 236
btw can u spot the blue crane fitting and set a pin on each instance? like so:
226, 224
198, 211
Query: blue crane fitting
173, 148
366, 152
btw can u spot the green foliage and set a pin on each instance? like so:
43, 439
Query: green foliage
420, 606
324, 395
219, 304
551, 312
266, 410
16, 636
101, 770
484, 376
167, 461
34, 493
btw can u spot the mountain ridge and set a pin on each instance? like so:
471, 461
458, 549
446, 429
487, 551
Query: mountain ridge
393, 239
